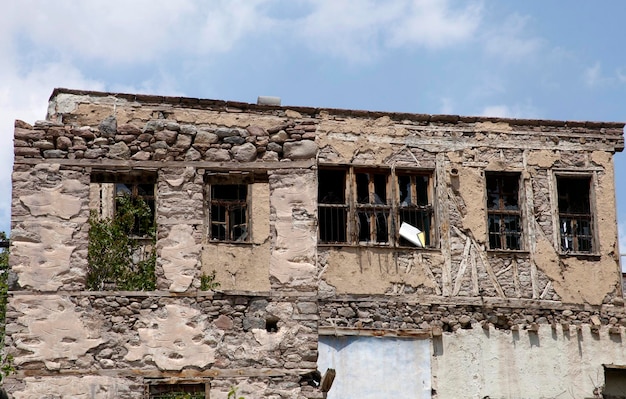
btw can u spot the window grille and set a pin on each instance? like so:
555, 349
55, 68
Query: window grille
575, 216
503, 211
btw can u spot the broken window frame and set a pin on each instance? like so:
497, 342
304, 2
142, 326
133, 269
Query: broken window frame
139, 184
231, 214
576, 228
371, 198
505, 231
334, 204
372, 206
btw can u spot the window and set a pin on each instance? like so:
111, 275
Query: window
129, 196
332, 205
122, 231
575, 218
142, 197
369, 205
228, 196
503, 211
167, 391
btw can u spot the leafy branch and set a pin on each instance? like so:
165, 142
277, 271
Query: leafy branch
115, 255
232, 393
6, 360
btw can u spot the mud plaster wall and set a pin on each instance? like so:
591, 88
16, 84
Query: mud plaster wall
293, 216
244, 267
49, 215
464, 267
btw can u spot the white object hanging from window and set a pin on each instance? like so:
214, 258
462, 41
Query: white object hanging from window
412, 234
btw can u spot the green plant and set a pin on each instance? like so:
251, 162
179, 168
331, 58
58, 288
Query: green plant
117, 257
6, 360
232, 393
182, 395
207, 281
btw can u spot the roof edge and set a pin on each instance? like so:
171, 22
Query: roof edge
442, 118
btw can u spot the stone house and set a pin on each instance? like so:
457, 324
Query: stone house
419, 256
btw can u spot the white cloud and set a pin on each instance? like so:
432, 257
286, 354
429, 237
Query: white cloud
510, 41
361, 29
594, 76
121, 32
447, 106
433, 23
24, 96
508, 111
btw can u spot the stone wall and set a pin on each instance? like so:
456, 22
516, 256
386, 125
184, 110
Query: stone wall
210, 337
259, 330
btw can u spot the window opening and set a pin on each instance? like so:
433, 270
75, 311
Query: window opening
575, 219
614, 382
168, 391
503, 211
137, 192
229, 212
414, 207
332, 205
122, 231
369, 206
372, 207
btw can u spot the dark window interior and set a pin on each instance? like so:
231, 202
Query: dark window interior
332, 205
365, 207
414, 207
503, 211
229, 212
575, 222
372, 208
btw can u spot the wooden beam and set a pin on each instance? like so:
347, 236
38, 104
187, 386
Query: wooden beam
373, 332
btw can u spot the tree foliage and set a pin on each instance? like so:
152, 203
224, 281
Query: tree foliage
117, 257
6, 360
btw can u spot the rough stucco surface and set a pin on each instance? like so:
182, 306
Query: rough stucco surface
84, 387
238, 267
172, 340
180, 255
546, 364
471, 190
293, 247
371, 271
51, 331
45, 263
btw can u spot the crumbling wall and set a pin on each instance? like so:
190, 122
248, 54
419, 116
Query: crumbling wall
265, 342
458, 152
260, 332
207, 337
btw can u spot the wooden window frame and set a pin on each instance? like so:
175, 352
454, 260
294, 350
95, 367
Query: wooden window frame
135, 181
571, 221
233, 208
362, 204
500, 235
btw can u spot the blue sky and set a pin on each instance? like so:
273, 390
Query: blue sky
527, 59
